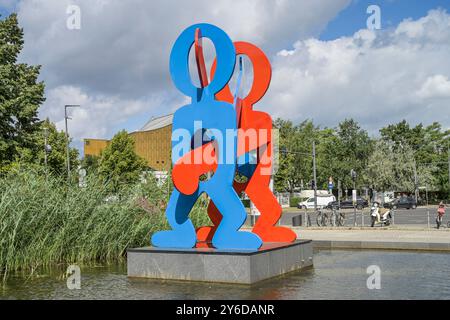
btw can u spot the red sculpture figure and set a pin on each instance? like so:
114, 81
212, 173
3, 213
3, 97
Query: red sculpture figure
257, 186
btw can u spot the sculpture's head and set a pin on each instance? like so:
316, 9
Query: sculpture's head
179, 60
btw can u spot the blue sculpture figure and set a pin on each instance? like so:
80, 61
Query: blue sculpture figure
215, 117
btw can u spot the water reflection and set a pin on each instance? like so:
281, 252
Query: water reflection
336, 275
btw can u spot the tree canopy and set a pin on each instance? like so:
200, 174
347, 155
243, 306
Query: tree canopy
391, 162
119, 164
21, 94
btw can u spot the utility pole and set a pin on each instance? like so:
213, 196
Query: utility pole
339, 193
415, 180
67, 136
315, 175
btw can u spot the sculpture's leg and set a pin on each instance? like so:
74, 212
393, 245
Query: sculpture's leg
227, 235
182, 234
260, 194
206, 233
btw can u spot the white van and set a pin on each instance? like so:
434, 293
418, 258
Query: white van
322, 202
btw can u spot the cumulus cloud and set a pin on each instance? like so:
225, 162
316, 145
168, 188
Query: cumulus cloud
437, 86
116, 65
376, 77
110, 110
119, 57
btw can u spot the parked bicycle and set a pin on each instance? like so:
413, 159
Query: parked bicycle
322, 218
333, 218
337, 218
341, 219
308, 220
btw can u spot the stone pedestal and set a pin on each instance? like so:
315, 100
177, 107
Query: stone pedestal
226, 266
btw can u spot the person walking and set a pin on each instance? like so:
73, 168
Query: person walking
440, 214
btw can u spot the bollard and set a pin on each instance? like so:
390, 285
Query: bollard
362, 218
297, 221
393, 217
428, 218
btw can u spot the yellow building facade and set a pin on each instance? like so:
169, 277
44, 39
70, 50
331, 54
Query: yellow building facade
152, 142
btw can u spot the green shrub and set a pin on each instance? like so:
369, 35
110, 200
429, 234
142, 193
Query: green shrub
294, 201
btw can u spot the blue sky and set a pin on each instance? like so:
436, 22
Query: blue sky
352, 18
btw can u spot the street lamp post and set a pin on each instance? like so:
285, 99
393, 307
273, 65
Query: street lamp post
339, 194
415, 181
67, 136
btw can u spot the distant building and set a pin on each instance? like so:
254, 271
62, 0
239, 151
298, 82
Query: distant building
152, 142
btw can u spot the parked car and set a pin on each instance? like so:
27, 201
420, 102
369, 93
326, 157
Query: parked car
322, 202
348, 204
402, 203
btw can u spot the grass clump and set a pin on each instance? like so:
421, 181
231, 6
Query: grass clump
45, 221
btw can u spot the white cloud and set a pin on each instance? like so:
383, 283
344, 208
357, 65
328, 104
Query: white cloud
117, 64
437, 86
98, 114
119, 57
375, 77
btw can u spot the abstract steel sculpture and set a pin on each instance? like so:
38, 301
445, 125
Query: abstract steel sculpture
205, 112
212, 116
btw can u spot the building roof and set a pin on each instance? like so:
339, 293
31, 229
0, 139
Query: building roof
158, 123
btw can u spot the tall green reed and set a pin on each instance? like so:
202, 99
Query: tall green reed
45, 221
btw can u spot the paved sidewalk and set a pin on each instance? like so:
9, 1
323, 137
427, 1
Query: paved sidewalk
392, 239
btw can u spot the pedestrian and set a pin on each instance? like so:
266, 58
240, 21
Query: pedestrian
440, 213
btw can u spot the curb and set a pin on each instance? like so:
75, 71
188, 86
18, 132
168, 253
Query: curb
368, 228
381, 245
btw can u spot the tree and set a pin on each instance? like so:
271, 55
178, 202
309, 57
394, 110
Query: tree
283, 176
119, 164
295, 146
90, 163
393, 169
327, 162
342, 149
338, 151
379, 174
429, 147
57, 157
34, 155
20, 95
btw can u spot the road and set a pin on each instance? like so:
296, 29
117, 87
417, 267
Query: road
417, 217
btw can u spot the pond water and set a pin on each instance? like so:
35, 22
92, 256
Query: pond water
337, 274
